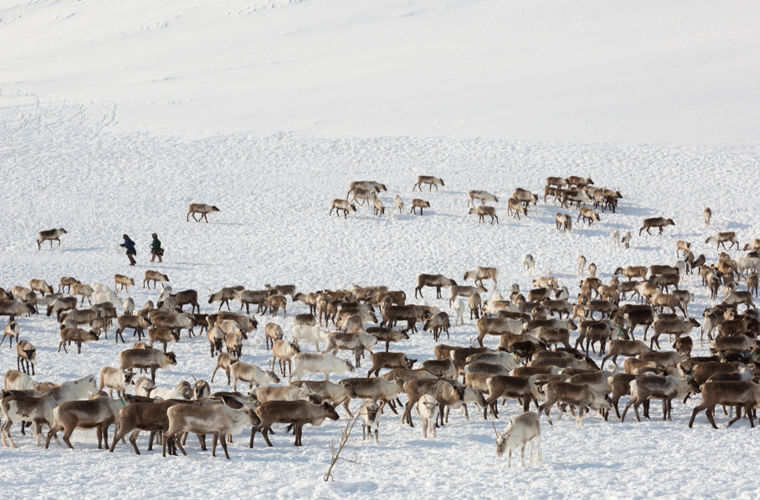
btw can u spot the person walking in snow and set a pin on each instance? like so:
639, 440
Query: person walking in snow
155, 249
130, 246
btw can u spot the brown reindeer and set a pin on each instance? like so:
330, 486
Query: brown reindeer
200, 208
658, 222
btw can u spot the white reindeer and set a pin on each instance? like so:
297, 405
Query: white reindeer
458, 307
529, 263
520, 430
428, 408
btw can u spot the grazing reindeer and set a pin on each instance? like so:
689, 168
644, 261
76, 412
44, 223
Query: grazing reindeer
483, 196
377, 207
481, 273
626, 239
588, 215
707, 214
520, 430
581, 265
341, 204
563, 222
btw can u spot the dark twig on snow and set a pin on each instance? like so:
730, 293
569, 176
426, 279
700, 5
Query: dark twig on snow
335, 454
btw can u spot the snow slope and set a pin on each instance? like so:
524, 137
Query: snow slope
682, 72
63, 167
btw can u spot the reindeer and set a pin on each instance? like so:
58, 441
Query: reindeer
339, 204
398, 203
484, 210
519, 431
377, 207
200, 208
429, 180
483, 196
26, 356
515, 208
588, 215
481, 273
50, 235
419, 203
432, 280
720, 239
658, 222
563, 222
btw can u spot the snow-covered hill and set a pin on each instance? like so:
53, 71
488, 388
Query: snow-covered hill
682, 72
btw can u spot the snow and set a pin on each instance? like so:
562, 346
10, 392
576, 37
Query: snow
678, 72
115, 116
274, 193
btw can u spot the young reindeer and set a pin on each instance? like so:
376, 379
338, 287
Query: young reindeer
377, 207
563, 222
520, 431
26, 354
370, 413
12, 332
419, 203
339, 204
398, 203
284, 352
529, 263
427, 406
581, 265
484, 210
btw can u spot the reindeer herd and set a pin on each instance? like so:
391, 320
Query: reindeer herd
546, 346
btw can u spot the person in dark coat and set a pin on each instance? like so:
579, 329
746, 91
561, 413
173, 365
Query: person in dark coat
155, 249
130, 246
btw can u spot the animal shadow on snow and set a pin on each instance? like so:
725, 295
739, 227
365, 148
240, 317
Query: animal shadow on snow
735, 225
589, 232
634, 210
431, 442
227, 223
82, 249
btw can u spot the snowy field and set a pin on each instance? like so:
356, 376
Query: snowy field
114, 116
274, 194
